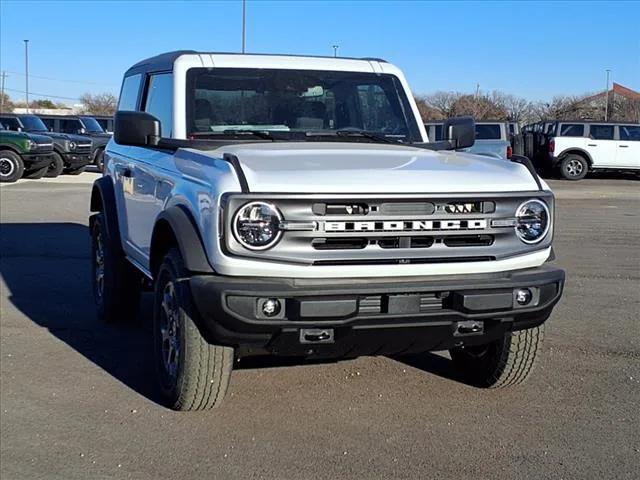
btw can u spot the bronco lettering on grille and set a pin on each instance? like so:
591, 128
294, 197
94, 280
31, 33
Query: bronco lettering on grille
405, 226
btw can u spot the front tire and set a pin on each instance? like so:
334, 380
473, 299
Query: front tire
11, 167
193, 374
56, 166
574, 167
99, 160
116, 283
504, 362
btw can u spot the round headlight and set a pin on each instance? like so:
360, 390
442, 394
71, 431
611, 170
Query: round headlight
72, 145
533, 221
32, 145
256, 225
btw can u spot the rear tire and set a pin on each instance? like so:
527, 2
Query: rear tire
574, 167
36, 174
193, 374
502, 363
55, 167
11, 166
116, 283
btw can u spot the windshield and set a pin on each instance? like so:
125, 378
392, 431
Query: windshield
91, 125
33, 124
290, 101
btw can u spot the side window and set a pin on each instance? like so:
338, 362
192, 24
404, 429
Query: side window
159, 101
129, 92
49, 122
571, 130
601, 132
630, 133
10, 123
488, 131
70, 126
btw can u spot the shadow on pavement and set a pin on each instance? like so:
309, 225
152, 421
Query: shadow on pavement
47, 272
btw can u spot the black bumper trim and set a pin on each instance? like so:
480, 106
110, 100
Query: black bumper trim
34, 161
432, 305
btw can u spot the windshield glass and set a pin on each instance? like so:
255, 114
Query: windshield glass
91, 125
489, 131
33, 124
282, 101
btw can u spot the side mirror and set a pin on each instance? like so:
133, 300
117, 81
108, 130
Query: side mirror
137, 129
81, 131
460, 132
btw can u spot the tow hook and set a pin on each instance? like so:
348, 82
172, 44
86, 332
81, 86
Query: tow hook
316, 335
469, 327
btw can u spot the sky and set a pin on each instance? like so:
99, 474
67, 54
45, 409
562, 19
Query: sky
531, 49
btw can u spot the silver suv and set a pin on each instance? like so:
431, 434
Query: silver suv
293, 206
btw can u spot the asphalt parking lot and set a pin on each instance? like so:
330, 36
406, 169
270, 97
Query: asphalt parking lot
78, 402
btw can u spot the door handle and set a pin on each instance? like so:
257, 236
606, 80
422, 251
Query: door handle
591, 145
623, 146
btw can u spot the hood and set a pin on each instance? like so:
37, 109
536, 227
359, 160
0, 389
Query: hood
39, 139
372, 168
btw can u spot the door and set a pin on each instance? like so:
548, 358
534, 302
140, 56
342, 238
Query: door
628, 154
602, 146
152, 171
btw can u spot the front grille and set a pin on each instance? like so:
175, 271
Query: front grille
43, 147
395, 229
83, 148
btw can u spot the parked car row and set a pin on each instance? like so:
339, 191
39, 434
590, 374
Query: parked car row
575, 148
78, 140
497, 138
23, 154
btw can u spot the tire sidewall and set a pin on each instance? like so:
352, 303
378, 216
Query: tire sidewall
18, 166
169, 272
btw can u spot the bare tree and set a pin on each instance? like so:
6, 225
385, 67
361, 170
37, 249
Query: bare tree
100, 104
442, 102
427, 111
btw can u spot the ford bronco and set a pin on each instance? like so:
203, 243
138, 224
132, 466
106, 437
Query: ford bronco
23, 155
294, 206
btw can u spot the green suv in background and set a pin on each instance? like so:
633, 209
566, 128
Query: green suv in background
23, 154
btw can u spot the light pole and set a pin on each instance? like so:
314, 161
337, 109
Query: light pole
26, 71
4, 75
244, 24
335, 50
606, 93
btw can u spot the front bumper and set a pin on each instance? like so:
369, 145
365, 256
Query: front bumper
76, 160
371, 316
34, 161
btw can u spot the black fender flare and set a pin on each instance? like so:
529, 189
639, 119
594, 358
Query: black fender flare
184, 230
103, 199
577, 150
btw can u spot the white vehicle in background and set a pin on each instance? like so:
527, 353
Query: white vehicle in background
577, 147
493, 138
294, 206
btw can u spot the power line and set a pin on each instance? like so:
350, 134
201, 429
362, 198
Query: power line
41, 94
61, 80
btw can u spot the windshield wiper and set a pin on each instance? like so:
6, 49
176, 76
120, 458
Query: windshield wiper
353, 132
256, 133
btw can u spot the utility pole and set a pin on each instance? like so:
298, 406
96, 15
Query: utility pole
244, 24
4, 75
606, 93
335, 50
26, 71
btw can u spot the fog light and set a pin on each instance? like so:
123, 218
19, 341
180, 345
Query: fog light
523, 296
271, 307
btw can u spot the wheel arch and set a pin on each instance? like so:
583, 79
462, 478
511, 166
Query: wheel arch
10, 148
176, 227
576, 151
103, 199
